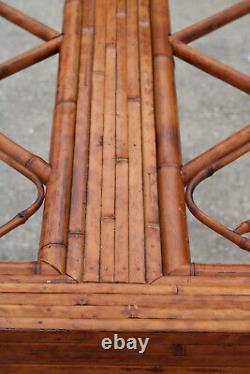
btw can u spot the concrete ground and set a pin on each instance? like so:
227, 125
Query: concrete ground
209, 111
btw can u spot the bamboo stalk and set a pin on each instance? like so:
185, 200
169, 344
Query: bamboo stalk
151, 213
212, 23
165, 291
35, 164
56, 211
36, 279
27, 23
26, 268
136, 206
23, 216
228, 158
175, 249
129, 325
109, 151
241, 241
76, 239
212, 66
226, 146
31, 57
93, 215
221, 270
122, 167
121, 312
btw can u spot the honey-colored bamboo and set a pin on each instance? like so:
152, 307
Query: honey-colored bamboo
26, 268
56, 210
27, 23
35, 164
107, 255
151, 213
174, 236
122, 161
226, 146
31, 57
243, 228
114, 254
23, 216
93, 214
212, 66
241, 241
76, 240
221, 270
136, 208
212, 23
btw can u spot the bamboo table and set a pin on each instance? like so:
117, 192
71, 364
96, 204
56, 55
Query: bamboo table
114, 253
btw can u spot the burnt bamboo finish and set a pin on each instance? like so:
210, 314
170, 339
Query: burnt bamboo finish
114, 253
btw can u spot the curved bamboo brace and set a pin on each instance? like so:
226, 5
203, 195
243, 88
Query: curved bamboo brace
221, 149
233, 235
22, 156
23, 216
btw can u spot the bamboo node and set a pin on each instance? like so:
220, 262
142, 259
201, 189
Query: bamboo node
169, 165
108, 218
135, 99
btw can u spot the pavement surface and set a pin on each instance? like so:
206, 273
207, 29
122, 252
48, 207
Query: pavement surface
209, 112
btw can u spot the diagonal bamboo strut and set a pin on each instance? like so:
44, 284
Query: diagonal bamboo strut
207, 25
27, 23
193, 167
35, 164
203, 166
31, 57
23, 216
232, 235
212, 66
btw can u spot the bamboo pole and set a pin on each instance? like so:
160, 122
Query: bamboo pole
31, 57
107, 255
122, 162
136, 203
175, 249
151, 211
212, 66
91, 270
27, 23
56, 211
126, 325
35, 164
232, 235
23, 216
221, 270
226, 146
76, 241
212, 23
26, 268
